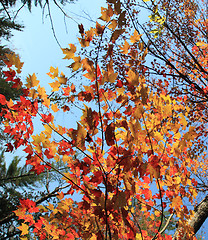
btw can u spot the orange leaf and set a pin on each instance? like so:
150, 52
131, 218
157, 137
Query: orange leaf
54, 107
136, 37
69, 52
106, 13
176, 202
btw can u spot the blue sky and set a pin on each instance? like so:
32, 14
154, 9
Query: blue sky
36, 44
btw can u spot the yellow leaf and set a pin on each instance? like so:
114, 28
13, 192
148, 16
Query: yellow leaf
42, 208
133, 78
144, 54
32, 81
158, 136
41, 92
33, 93
20, 212
23, 238
50, 206
139, 236
177, 135
93, 237
76, 64
62, 79
183, 120
177, 180
201, 44
15, 60
157, 213
78, 136
188, 182
66, 158
191, 134
55, 85
69, 52
53, 72
23, 228
46, 102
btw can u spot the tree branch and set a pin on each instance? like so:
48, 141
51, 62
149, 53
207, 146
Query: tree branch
201, 214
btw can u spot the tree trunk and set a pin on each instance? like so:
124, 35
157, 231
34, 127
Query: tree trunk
201, 214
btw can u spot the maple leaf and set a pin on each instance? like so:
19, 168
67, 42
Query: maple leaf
2, 99
13, 59
76, 64
176, 202
55, 86
62, 79
110, 134
54, 107
135, 37
69, 52
23, 228
32, 81
53, 72
78, 136
20, 212
106, 13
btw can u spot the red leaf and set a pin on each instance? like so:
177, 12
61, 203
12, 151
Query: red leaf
110, 135
2, 99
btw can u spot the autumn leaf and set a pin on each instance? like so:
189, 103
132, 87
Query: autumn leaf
13, 59
2, 99
116, 34
135, 37
32, 81
113, 24
110, 134
62, 79
69, 52
54, 107
176, 202
53, 72
125, 47
55, 86
106, 13
78, 136
76, 64
23, 228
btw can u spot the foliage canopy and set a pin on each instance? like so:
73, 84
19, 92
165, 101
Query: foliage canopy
142, 128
